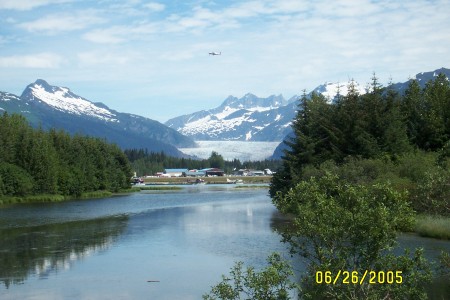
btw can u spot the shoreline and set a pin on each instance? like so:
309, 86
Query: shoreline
55, 198
207, 180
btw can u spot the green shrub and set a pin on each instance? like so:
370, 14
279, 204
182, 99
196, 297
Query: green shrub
272, 283
15, 180
342, 226
432, 195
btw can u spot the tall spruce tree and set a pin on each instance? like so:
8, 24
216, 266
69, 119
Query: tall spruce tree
316, 139
437, 98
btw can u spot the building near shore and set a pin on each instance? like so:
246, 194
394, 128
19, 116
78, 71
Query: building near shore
175, 172
213, 172
195, 173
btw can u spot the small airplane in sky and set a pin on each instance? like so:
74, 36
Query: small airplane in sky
215, 53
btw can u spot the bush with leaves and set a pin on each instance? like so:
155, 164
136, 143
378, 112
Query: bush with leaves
432, 194
348, 227
272, 283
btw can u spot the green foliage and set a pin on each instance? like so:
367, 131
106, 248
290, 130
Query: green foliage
416, 172
34, 162
14, 181
377, 125
432, 194
342, 226
272, 283
216, 160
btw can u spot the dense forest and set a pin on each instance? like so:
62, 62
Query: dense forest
37, 162
148, 163
376, 137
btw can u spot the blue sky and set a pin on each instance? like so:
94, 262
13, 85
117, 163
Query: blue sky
151, 58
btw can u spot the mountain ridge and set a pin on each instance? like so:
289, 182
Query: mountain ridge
251, 118
57, 107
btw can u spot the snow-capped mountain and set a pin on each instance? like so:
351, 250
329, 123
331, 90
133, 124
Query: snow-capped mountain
57, 107
62, 99
249, 118
245, 119
331, 89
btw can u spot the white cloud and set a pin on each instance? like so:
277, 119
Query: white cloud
35, 61
155, 6
268, 46
120, 34
56, 23
112, 35
28, 4
93, 58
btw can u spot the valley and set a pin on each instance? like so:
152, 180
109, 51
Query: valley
242, 150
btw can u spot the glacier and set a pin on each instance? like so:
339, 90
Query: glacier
242, 150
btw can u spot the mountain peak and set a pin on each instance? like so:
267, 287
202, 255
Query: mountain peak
47, 87
41, 82
252, 102
245, 118
62, 99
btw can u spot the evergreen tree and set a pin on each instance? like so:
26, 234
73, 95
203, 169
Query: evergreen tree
352, 120
216, 160
394, 138
316, 139
437, 98
412, 109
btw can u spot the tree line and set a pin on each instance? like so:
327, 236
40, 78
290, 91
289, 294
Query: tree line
38, 162
144, 162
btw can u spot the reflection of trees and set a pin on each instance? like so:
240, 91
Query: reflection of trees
281, 222
42, 249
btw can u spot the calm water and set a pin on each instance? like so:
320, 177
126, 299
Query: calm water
111, 248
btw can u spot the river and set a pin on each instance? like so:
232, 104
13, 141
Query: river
182, 242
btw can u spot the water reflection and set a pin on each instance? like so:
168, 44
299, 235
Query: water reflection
45, 249
186, 240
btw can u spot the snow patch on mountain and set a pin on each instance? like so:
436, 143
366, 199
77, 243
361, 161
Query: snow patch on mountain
249, 118
212, 124
331, 89
64, 100
7, 97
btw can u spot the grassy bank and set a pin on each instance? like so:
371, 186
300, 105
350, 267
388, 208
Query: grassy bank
52, 198
252, 187
433, 226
